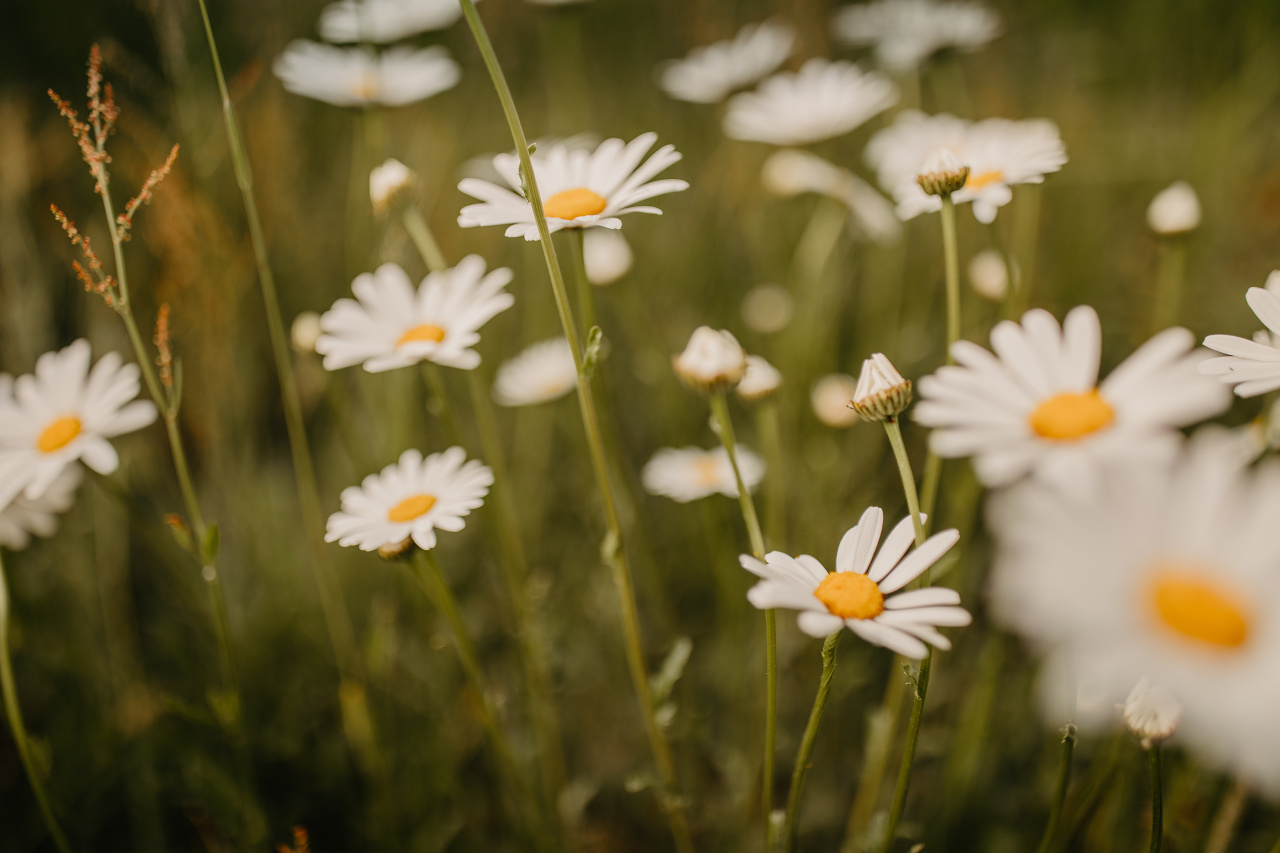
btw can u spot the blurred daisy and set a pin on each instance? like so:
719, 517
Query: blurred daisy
389, 325
542, 372
790, 171
389, 185
761, 380
999, 153
905, 33
411, 498
1174, 210
1036, 406
708, 74
767, 308
25, 517
1252, 366
385, 21
1168, 574
63, 413
830, 398
607, 255
988, 275
689, 473
820, 101
857, 595
358, 77
579, 188
712, 360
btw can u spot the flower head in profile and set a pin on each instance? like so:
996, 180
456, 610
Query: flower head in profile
385, 21
761, 381
791, 171
26, 517
708, 74
1252, 366
712, 360
1174, 210
411, 498
579, 188
1151, 713
358, 77
389, 184
542, 372
390, 325
65, 412
882, 393
821, 101
859, 594
905, 33
690, 473
1035, 406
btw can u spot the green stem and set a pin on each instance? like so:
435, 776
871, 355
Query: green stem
440, 402
952, 260
1012, 296
423, 239
586, 299
1172, 275
881, 725
807, 741
908, 480
1157, 800
1223, 827
612, 549
14, 712
1060, 792
908, 754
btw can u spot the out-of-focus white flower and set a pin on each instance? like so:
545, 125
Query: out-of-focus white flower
830, 399
579, 188
385, 21
712, 360
1252, 366
820, 101
988, 275
388, 183
357, 77
305, 331
708, 74
1151, 712
1035, 406
791, 171
761, 380
542, 372
767, 308
905, 33
1174, 210
690, 473
882, 393
607, 255
942, 173
390, 325
24, 517
858, 594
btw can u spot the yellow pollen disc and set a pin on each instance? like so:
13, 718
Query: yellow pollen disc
982, 179
571, 204
410, 508
1066, 417
707, 471
425, 332
1198, 608
366, 87
58, 434
850, 595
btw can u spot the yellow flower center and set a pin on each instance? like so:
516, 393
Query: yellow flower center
425, 332
571, 204
58, 434
366, 87
982, 179
850, 595
707, 471
410, 508
1066, 417
1197, 607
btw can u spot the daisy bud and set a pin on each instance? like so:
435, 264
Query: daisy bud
1174, 210
389, 184
607, 255
830, 399
761, 380
882, 393
1151, 713
712, 361
305, 331
942, 174
395, 550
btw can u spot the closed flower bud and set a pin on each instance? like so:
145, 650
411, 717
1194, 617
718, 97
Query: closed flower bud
389, 185
882, 393
761, 380
712, 361
1174, 210
942, 174
1151, 713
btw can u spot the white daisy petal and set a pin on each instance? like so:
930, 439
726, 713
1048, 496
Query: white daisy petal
710, 73
355, 77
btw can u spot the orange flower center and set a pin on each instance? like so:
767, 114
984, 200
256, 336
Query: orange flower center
367, 86
425, 332
58, 434
850, 595
411, 508
1199, 608
571, 204
1067, 417
982, 179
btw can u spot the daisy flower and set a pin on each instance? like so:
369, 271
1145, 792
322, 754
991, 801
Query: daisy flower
389, 325
1252, 366
579, 188
999, 153
905, 33
1036, 407
24, 517
607, 256
63, 413
791, 171
1167, 574
858, 594
411, 498
358, 77
690, 473
385, 21
760, 381
708, 74
820, 101
712, 360
542, 372
1174, 210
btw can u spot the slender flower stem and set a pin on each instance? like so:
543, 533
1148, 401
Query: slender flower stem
586, 299
440, 402
13, 711
720, 409
1223, 827
612, 550
1047, 841
807, 741
1012, 295
420, 234
1157, 799
908, 479
1172, 275
951, 259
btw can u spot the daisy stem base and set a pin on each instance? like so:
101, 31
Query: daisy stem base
1157, 799
908, 754
810, 736
1048, 840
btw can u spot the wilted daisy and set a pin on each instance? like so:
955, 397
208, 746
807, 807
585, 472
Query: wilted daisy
1174, 210
1167, 574
905, 33
357, 77
579, 188
543, 371
1252, 366
708, 74
761, 380
25, 517
385, 21
1036, 406
712, 360
689, 473
66, 412
858, 594
607, 256
411, 498
390, 325
791, 171
820, 101
830, 398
